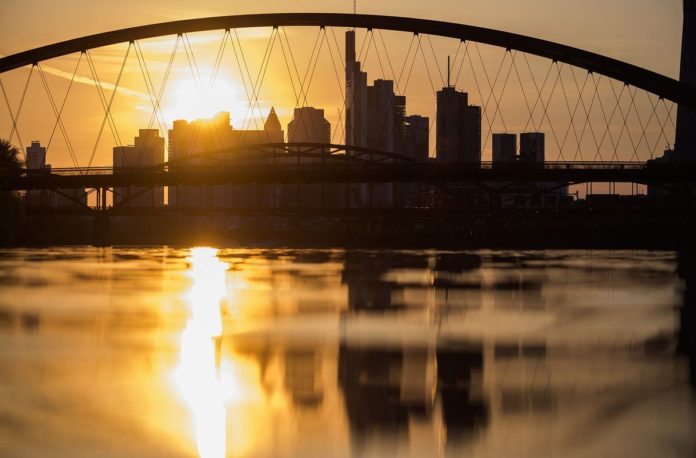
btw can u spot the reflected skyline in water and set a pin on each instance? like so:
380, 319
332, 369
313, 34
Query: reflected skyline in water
240, 352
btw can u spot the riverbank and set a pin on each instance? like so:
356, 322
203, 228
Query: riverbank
652, 228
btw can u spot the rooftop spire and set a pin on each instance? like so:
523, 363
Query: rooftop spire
272, 122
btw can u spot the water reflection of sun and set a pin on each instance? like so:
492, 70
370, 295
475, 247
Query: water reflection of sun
197, 375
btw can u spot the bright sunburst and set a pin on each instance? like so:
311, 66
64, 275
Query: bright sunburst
192, 100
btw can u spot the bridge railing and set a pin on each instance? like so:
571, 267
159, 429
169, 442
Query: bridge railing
555, 165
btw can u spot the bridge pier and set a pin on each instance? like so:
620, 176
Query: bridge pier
101, 229
101, 225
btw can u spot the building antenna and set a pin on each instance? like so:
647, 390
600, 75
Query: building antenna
448, 71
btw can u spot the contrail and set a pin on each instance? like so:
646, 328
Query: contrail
90, 82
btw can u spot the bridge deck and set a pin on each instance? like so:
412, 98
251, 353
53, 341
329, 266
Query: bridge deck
416, 172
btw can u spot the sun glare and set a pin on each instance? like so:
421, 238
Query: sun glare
192, 100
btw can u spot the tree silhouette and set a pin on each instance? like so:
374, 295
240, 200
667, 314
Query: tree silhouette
11, 211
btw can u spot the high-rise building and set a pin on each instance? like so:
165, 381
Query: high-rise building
208, 141
147, 150
458, 127
504, 149
685, 141
59, 198
36, 156
309, 125
416, 137
380, 115
356, 96
36, 163
532, 147
399, 103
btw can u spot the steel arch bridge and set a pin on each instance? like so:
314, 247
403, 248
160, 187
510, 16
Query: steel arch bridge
388, 167
647, 80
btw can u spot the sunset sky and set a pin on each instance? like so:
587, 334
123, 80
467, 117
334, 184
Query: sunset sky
643, 32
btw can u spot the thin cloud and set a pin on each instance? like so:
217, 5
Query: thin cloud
90, 82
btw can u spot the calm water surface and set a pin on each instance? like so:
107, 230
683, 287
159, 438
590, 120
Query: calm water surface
269, 353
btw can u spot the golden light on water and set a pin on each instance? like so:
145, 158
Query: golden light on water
197, 374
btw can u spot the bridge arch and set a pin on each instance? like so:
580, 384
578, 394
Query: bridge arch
652, 82
292, 151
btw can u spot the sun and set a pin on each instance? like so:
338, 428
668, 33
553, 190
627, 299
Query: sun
192, 100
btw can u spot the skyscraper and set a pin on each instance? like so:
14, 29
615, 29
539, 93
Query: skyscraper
416, 137
59, 198
685, 141
208, 141
380, 115
36, 163
147, 150
458, 127
532, 148
504, 149
309, 125
356, 96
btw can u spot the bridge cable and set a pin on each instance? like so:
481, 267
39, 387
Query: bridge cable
379, 58
256, 85
643, 127
635, 145
548, 103
198, 79
430, 80
439, 70
56, 113
102, 99
413, 62
539, 98
581, 102
467, 54
653, 115
461, 63
618, 107
625, 118
400, 129
662, 126
493, 86
603, 111
524, 93
60, 113
155, 100
615, 144
606, 120
339, 122
497, 100
571, 124
15, 116
311, 66
301, 96
406, 59
296, 95
581, 99
111, 100
391, 68
669, 113
241, 70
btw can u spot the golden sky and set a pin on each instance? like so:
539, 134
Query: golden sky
643, 32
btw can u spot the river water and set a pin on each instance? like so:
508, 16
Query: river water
314, 353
